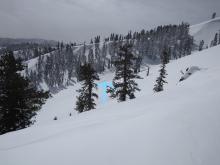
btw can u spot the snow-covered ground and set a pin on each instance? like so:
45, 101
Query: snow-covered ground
179, 126
205, 30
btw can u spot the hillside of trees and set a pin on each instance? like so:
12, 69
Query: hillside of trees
59, 66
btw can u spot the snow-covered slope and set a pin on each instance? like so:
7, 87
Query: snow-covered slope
205, 30
178, 126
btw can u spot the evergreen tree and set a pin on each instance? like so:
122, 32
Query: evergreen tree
123, 82
219, 38
91, 56
211, 44
201, 44
85, 100
215, 41
36, 52
19, 100
161, 79
214, 15
165, 57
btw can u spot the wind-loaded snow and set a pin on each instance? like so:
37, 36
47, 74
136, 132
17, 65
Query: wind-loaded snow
179, 126
205, 31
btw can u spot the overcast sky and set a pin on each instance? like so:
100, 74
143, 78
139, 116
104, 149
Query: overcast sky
79, 20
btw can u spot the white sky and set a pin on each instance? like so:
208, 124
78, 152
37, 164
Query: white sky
79, 20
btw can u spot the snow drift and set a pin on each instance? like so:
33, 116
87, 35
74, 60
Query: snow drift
189, 71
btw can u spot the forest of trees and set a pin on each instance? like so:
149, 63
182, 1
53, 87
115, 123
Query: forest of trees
61, 67
27, 51
57, 66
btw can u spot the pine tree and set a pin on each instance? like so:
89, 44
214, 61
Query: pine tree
91, 56
161, 79
215, 41
165, 57
219, 37
201, 44
19, 99
123, 83
214, 15
85, 100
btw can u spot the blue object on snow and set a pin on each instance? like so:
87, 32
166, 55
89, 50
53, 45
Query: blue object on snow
103, 87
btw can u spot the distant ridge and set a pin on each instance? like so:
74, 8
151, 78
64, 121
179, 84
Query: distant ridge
12, 41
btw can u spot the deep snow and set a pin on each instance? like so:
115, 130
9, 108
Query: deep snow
205, 31
179, 126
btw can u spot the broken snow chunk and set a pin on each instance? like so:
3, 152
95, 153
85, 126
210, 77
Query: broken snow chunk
189, 72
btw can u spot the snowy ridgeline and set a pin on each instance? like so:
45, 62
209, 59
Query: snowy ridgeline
178, 126
205, 31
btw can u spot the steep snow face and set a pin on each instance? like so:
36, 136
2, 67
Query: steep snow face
206, 30
177, 126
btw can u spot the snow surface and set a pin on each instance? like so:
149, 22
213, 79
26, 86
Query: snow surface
205, 30
179, 126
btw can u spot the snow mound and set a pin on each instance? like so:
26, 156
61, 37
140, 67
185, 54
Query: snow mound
189, 72
205, 30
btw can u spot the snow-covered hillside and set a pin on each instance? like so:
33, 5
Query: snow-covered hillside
205, 30
178, 126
